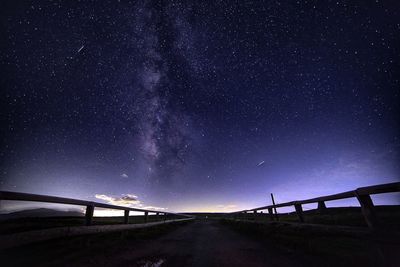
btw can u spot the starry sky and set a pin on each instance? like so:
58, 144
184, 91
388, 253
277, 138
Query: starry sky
199, 105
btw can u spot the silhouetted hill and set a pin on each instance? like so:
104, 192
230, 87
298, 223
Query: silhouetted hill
40, 212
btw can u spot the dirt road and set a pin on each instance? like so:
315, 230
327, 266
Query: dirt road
201, 243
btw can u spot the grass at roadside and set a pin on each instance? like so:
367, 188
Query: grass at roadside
66, 251
346, 216
338, 246
27, 224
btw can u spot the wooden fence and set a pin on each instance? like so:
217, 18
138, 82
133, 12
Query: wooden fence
363, 195
90, 206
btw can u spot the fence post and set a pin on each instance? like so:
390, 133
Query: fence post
126, 216
255, 215
368, 210
146, 215
321, 206
299, 211
157, 216
271, 214
89, 214
273, 203
165, 216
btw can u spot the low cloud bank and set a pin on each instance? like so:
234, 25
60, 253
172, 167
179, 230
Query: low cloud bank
126, 200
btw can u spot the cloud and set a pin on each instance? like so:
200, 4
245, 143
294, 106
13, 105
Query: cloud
126, 200
124, 175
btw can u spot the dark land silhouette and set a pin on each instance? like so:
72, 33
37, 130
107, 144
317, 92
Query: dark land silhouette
214, 242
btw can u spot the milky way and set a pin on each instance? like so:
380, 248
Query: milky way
161, 132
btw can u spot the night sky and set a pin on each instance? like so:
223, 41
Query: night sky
199, 105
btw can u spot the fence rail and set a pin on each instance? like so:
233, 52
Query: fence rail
363, 195
90, 206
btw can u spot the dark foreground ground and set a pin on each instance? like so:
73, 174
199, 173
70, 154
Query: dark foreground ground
199, 243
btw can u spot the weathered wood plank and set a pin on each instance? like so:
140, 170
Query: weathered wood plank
379, 189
